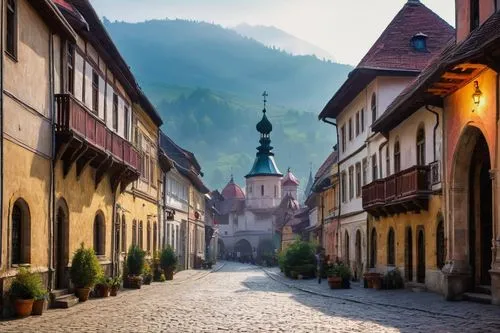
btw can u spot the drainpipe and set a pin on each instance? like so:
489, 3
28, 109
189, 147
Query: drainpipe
1, 129
338, 176
52, 164
435, 130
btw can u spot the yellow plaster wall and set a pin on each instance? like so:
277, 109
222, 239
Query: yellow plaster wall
27, 176
428, 219
84, 201
138, 208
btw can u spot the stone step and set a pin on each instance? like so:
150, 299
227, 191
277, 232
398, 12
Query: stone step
65, 301
477, 298
58, 293
483, 290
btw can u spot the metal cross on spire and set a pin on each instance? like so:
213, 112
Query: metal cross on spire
264, 94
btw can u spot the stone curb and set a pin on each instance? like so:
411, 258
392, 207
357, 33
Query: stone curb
279, 279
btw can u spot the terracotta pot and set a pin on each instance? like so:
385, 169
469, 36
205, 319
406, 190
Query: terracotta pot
103, 291
82, 294
23, 307
114, 291
169, 274
377, 282
38, 306
134, 282
335, 282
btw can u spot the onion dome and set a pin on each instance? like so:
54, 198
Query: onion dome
264, 126
290, 179
233, 191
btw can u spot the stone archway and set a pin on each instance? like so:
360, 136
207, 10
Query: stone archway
221, 249
471, 206
244, 249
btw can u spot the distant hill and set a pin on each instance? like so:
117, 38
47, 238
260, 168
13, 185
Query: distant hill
207, 83
274, 37
198, 54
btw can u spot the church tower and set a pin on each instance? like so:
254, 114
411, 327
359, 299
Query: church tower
264, 179
290, 184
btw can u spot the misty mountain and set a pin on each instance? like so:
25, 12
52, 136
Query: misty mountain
198, 54
274, 37
207, 81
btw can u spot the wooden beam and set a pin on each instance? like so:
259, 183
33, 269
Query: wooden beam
102, 169
83, 163
77, 153
444, 85
456, 76
469, 65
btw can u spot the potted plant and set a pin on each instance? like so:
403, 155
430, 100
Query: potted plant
147, 275
40, 301
168, 262
25, 287
344, 272
103, 286
157, 271
85, 271
377, 281
333, 277
115, 285
135, 266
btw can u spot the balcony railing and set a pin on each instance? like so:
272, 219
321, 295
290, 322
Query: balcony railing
73, 116
404, 191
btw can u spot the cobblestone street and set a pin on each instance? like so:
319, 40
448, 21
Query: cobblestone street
243, 298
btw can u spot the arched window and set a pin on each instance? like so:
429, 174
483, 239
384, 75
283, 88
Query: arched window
397, 157
346, 246
141, 236
124, 234
440, 244
262, 190
374, 108
155, 237
99, 234
148, 237
373, 249
21, 233
391, 251
134, 233
421, 146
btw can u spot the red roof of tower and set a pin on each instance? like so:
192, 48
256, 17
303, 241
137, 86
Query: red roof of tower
232, 191
290, 179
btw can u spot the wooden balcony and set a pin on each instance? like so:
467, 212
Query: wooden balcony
405, 191
83, 139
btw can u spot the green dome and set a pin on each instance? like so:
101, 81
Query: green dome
264, 126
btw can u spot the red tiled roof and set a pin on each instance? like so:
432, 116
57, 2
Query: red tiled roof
290, 179
414, 96
393, 50
233, 191
393, 54
327, 164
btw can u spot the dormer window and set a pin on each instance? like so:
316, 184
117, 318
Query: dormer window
419, 42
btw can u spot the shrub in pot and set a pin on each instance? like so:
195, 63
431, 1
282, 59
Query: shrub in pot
333, 277
299, 255
24, 289
168, 262
85, 271
115, 285
147, 275
103, 286
39, 303
135, 266
157, 271
393, 279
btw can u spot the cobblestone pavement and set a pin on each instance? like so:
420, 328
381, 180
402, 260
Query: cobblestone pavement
243, 298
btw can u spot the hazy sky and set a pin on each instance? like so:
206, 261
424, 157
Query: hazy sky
345, 28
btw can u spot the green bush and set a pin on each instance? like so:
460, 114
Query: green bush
340, 270
27, 285
135, 260
85, 269
298, 254
163, 278
393, 279
168, 258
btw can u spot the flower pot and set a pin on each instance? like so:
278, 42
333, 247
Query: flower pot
134, 282
335, 282
23, 307
38, 306
147, 279
114, 291
377, 282
82, 294
103, 291
169, 274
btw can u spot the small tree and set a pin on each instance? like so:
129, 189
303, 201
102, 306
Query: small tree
168, 258
135, 260
85, 269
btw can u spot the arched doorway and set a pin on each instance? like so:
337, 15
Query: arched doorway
244, 249
20, 233
61, 244
408, 255
357, 254
99, 234
420, 256
221, 249
471, 207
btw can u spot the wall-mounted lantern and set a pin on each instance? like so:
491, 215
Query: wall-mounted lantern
476, 96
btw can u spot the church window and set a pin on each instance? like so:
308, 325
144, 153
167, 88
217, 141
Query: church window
262, 190
275, 191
